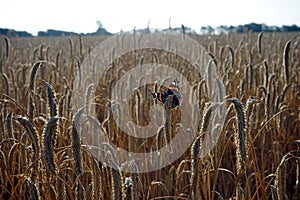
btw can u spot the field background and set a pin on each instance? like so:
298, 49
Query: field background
257, 155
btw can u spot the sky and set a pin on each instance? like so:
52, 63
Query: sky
115, 15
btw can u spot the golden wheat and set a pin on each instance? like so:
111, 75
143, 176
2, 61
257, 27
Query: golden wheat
256, 156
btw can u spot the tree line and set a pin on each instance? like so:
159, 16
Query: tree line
253, 27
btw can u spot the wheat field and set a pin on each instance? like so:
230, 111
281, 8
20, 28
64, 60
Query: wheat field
257, 155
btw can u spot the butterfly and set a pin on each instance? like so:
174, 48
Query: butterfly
173, 91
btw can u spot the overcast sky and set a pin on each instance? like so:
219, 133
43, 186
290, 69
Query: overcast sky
116, 15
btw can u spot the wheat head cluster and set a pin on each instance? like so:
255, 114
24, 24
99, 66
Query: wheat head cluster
257, 156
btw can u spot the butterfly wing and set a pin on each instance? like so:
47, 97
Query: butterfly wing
174, 87
173, 90
162, 97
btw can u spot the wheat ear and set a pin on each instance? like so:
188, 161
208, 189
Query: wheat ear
240, 137
286, 60
76, 142
34, 191
48, 150
51, 99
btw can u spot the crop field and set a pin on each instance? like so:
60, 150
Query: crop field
43, 155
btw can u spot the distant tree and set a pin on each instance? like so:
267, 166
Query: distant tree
14, 33
101, 30
254, 27
207, 30
203, 30
99, 24
293, 28
232, 29
240, 29
222, 30
211, 30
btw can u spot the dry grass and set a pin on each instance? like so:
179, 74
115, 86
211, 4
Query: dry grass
256, 157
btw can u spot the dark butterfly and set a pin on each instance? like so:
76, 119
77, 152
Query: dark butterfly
173, 93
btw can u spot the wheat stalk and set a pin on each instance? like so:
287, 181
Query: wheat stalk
286, 60
79, 73
136, 191
116, 181
33, 135
61, 187
71, 47
76, 142
48, 151
34, 191
51, 99
7, 44
195, 152
240, 137
258, 42
80, 192
195, 168
97, 187
5, 78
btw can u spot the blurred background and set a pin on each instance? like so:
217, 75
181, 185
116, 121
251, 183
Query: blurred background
33, 17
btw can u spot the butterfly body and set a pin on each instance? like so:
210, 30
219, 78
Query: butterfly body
173, 93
